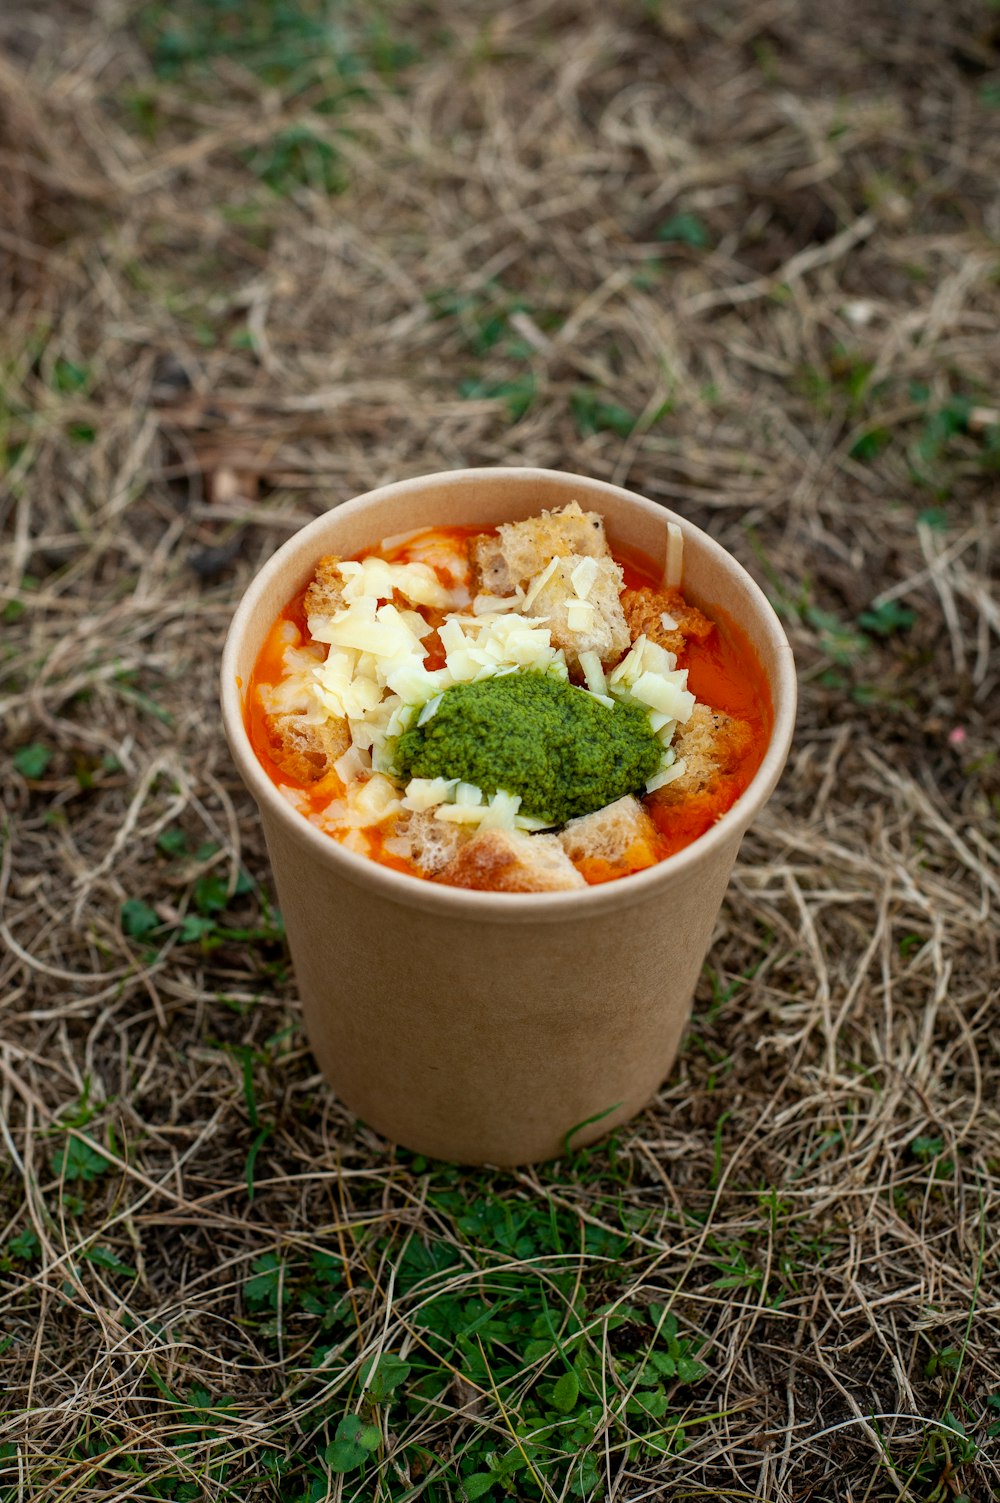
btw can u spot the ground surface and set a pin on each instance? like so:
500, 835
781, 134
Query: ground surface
742, 258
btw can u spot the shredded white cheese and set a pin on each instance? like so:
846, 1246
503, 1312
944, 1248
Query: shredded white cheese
501, 811
536, 585
374, 577
583, 576
648, 674
422, 794
593, 672
667, 775
352, 763
485, 604
579, 615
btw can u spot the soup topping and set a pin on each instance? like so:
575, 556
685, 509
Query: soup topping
499, 710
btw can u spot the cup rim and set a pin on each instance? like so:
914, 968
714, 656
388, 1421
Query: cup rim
466, 903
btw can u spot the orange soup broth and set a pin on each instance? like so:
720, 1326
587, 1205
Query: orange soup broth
724, 673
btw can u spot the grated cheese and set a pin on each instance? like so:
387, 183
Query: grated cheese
352, 763
422, 794
429, 710
583, 576
536, 585
501, 812
579, 615
459, 814
667, 775
375, 577
486, 604
374, 800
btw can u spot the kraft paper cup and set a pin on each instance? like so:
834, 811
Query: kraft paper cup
485, 1027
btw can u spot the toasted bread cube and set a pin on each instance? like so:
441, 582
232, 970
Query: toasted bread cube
510, 861
644, 608
305, 751
607, 631
622, 835
428, 842
490, 571
522, 549
712, 745
325, 595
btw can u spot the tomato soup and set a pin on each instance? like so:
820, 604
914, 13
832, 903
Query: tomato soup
722, 669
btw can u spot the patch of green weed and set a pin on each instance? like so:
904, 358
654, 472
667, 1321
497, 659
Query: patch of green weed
326, 50
517, 394
68, 376
32, 761
939, 427
842, 383
78, 1162
23, 1247
296, 156
483, 315
930, 1150
887, 619
686, 229
289, 44
196, 1461
490, 1294
104, 1257
945, 1447
209, 899
593, 414
138, 920
870, 444
837, 640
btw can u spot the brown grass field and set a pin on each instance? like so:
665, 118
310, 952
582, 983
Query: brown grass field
257, 258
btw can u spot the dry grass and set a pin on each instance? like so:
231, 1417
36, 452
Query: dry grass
204, 346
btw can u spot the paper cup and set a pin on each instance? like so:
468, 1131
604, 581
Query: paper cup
486, 1027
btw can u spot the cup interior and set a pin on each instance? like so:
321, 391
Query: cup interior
713, 580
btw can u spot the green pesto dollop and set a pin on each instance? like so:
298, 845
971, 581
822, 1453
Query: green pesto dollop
557, 746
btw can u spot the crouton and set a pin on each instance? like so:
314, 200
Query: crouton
612, 841
304, 751
644, 607
607, 630
521, 550
491, 575
712, 745
430, 843
325, 595
510, 861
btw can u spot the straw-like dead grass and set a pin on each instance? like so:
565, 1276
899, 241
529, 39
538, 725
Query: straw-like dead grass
742, 259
